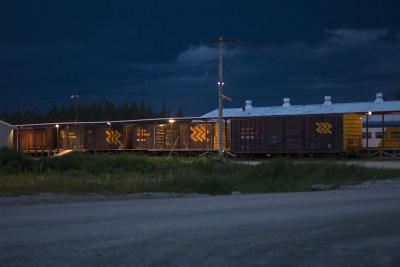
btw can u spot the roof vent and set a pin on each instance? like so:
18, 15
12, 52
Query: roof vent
327, 100
248, 105
379, 98
286, 102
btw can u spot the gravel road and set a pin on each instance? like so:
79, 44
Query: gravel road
375, 164
330, 228
385, 164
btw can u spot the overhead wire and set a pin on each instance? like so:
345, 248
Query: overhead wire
259, 50
119, 85
263, 52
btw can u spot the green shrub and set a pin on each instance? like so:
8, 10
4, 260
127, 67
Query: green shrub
12, 161
126, 173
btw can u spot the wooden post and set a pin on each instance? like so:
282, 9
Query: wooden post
226, 134
140, 135
206, 135
366, 133
17, 138
190, 123
383, 130
154, 135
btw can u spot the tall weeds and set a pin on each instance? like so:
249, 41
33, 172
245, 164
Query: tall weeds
126, 173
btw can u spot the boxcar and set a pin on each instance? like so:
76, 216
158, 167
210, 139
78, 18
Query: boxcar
288, 134
140, 136
180, 135
35, 139
297, 134
71, 137
109, 137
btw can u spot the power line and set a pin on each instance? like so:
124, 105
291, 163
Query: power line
255, 48
119, 85
125, 84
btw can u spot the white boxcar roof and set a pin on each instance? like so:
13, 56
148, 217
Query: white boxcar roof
5, 123
357, 107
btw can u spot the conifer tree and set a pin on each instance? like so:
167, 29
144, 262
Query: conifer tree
133, 111
179, 113
164, 112
88, 112
397, 95
142, 110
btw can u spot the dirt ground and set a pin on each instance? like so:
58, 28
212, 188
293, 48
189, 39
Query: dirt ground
387, 164
330, 228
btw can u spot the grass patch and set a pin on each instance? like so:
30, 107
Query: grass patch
130, 173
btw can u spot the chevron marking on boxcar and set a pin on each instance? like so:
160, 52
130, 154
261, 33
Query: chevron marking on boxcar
117, 136
323, 128
199, 133
113, 137
108, 139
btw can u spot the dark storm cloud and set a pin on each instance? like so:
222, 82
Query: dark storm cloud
299, 49
350, 65
349, 37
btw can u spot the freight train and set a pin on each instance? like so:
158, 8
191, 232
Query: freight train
298, 130
186, 135
305, 134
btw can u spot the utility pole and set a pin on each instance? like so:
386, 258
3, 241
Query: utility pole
220, 84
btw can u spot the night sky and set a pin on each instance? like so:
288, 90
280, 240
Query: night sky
120, 51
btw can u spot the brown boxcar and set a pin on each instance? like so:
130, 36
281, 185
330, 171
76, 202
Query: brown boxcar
99, 137
35, 139
71, 137
179, 135
201, 136
156, 136
167, 136
184, 135
140, 136
288, 134
324, 133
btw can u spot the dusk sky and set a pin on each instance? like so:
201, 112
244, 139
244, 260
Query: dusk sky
120, 51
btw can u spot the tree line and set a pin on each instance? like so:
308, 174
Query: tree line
94, 111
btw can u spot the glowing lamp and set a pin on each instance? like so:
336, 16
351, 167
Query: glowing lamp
171, 121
